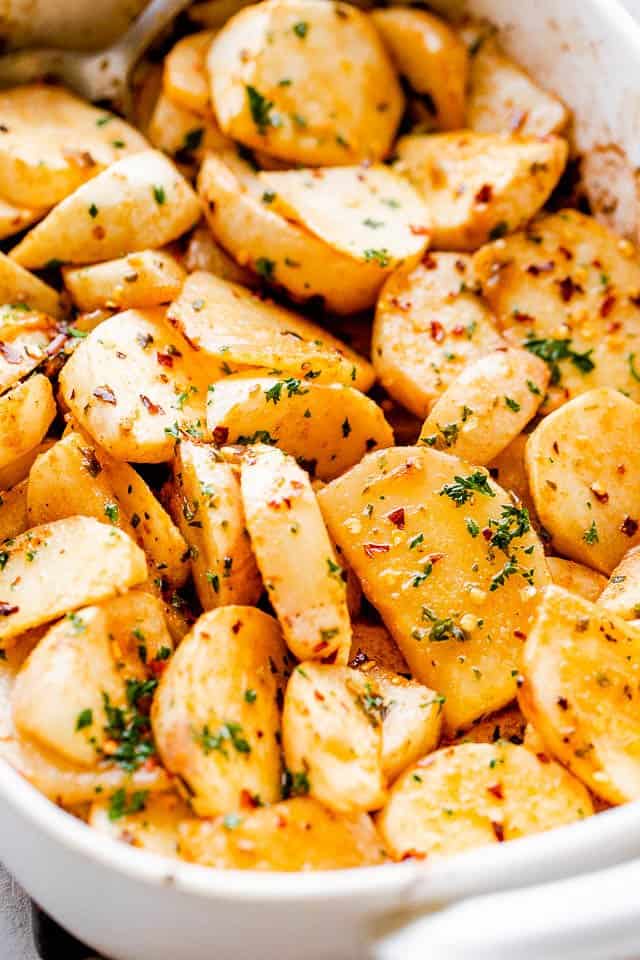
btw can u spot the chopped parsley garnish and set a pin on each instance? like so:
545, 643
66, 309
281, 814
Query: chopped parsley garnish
632, 367
442, 628
261, 110
84, 719
346, 427
294, 784
590, 536
335, 570
259, 436
130, 727
461, 490
120, 806
514, 522
265, 268
250, 696
512, 404
78, 624
228, 733
192, 139
381, 257
159, 194
472, 526
4, 558
500, 230
301, 29
372, 705
214, 580
416, 541
112, 512
552, 351
292, 385
93, 211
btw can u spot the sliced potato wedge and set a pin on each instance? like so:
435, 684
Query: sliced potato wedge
133, 386
13, 219
18, 286
488, 405
144, 279
579, 692
457, 602
582, 472
26, 413
61, 691
327, 427
433, 59
299, 834
429, 324
503, 98
210, 513
185, 78
576, 578
621, 594
411, 719
371, 642
67, 480
235, 329
148, 822
567, 289
139, 202
369, 214
310, 83
58, 567
14, 518
472, 794
215, 717
478, 187
332, 735
18, 470
284, 521
54, 142
280, 252
24, 336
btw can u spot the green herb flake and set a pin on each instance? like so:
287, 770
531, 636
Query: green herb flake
462, 489
84, 719
590, 536
112, 512
120, 806
301, 29
159, 194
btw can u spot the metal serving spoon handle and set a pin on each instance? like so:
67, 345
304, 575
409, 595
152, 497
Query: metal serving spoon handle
95, 76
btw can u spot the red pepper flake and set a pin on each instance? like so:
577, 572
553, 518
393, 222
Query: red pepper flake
563, 703
236, 626
607, 305
519, 634
158, 667
567, 254
250, 800
601, 495
621, 468
98, 232
523, 317
496, 791
106, 394
543, 758
371, 549
487, 533
629, 526
434, 557
397, 517
414, 855
220, 435
429, 262
614, 326
150, 406
437, 331
6, 609
418, 231
535, 269
459, 330
164, 359
460, 266
319, 696
568, 287
484, 194
498, 831
10, 353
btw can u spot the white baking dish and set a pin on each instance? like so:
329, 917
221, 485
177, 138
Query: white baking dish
136, 906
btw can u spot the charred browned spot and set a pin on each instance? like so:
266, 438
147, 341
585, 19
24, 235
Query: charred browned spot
563, 703
237, 626
535, 269
484, 194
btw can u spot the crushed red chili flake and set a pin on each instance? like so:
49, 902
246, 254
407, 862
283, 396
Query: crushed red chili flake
434, 557
563, 703
220, 435
150, 406
164, 359
496, 791
6, 609
498, 831
371, 549
523, 317
543, 758
418, 231
106, 394
484, 194
567, 254
236, 626
429, 262
607, 305
10, 353
458, 330
397, 517
90, 462
437, 331
568, 288
601, 495
629, 526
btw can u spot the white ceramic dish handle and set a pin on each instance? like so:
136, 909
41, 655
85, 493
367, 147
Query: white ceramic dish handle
592, 917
